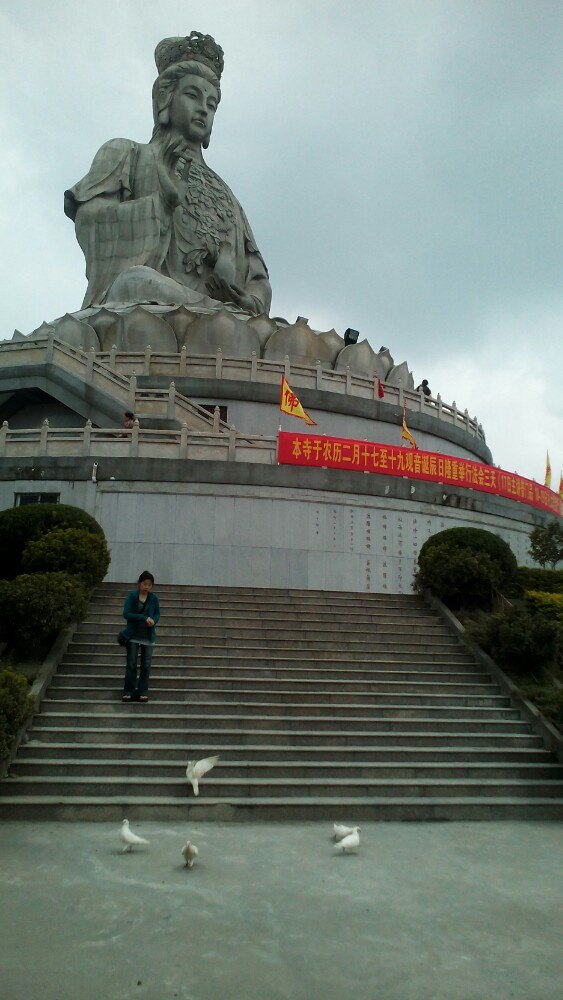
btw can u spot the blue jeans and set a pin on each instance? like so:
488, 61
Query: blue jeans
130, 685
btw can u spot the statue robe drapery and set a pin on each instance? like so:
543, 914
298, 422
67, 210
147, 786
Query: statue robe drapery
123, 221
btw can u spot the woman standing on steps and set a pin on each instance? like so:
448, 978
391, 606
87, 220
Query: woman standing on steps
141, 611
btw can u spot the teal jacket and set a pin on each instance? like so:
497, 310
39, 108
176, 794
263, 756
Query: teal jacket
131, 614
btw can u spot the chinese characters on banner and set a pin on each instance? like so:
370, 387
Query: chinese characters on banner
318, 451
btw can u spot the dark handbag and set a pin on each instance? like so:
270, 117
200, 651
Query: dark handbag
122, 640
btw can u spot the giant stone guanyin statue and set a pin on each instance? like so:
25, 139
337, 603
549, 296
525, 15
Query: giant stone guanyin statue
155, 223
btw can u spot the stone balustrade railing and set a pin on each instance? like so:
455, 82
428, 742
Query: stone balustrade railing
260, 370
98, 443
118, 372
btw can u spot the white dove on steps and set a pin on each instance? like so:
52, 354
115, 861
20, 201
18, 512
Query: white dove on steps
190, 852
341, 831
197, 768
129, 838
349, 843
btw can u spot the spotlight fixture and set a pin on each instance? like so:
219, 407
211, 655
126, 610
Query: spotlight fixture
351, 336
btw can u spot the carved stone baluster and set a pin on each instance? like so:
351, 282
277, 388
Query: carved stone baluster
232, 443
132, 391
43, 437
134, 449
171, 401
184, 441
86, 438
3, 435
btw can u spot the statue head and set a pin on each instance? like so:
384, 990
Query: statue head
176, 58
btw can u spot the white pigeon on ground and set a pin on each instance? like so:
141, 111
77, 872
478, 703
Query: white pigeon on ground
129, 838
342, 831
190, 852
349, 843
197, 768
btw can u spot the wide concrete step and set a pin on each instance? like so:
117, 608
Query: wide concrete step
138, 716
405, 709
289, 646
174, 734
291, 619
396, 672
285, 755
105, 628
277, 809
238, 658
296, 686
217, 588
283, 770
84, 693
281, 602
327, 787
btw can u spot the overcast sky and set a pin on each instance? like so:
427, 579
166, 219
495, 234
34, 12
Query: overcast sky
400, 162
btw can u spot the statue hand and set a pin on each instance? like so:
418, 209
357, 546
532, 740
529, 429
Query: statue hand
225, 292
173, 190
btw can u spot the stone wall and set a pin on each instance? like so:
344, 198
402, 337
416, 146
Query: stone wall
244, 525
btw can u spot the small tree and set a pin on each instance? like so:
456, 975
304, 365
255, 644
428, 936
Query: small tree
546, 544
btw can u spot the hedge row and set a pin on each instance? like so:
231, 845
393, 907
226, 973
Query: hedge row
16, 707
548, 605
549, 580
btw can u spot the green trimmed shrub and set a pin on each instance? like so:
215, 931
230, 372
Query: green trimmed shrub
33, 608
69, 550
492, 568
16, 707
549, 580
521, 640
19, 525
548, 605
460, 577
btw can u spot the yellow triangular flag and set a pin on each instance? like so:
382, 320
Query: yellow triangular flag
547, 471
406, 434
289, 403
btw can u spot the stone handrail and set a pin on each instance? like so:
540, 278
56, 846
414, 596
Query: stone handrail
116, 373
260, 370
90, 369
93, 442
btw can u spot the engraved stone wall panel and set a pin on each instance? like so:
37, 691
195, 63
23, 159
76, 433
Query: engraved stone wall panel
260, 536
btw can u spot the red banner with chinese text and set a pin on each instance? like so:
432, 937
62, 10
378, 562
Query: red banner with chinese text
320, 451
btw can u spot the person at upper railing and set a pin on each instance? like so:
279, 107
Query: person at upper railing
424, 387
155, 223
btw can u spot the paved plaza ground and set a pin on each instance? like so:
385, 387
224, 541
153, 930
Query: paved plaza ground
441, 911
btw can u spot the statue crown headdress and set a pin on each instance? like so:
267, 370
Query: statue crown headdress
195, 46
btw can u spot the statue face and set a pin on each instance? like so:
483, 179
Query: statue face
193, 108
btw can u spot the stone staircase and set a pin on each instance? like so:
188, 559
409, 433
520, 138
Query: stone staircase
322, 706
